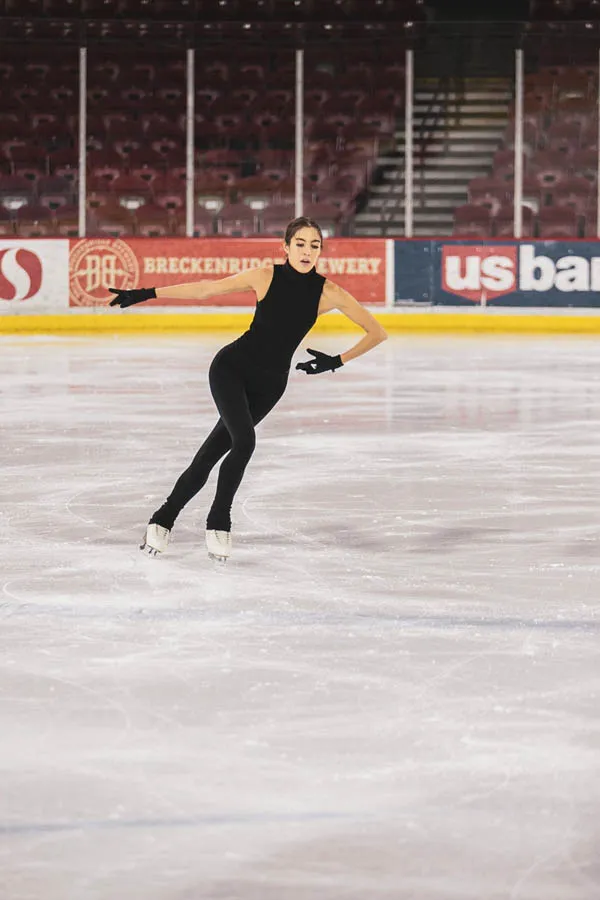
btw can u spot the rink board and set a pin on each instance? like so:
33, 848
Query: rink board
506, 274
467, 322
60, 286
97, 264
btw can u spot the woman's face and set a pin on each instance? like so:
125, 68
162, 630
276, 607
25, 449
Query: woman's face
304, 249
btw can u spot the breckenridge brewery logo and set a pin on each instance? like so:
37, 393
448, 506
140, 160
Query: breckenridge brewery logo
97, 265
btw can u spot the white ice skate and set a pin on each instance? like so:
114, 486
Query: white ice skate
218, 544
156, 540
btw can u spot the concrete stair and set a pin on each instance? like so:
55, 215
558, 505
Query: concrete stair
460, 133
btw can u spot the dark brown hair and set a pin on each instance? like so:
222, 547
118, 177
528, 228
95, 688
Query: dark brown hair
299, 223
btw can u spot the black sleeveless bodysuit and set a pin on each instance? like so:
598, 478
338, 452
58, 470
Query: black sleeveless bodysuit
282, 318
247, 378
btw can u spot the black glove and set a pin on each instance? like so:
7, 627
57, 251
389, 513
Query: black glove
321, 363
128, 298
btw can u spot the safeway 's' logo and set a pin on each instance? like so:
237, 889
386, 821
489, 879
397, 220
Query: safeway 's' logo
479, 272
20, 273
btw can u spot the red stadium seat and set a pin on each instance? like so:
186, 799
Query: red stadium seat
29, 170
489, 192
6, 222
558, 222
64, 163
67, 220
326, 214
503, 222
32, 212
204, 223
256, 192
236, 220
152, 221
209, 193
114, 220
275, 219
54, 192
585, 164
104, 165
15, 191
548, 169
564, 137
573, 192
581, 112
131, 191
170, 200
472, 221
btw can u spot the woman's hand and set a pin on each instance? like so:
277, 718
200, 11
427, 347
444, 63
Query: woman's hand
128, 298
321, 363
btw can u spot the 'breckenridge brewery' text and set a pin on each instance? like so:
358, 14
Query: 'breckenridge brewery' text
216, 265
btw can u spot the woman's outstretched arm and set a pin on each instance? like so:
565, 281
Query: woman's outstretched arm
249, 280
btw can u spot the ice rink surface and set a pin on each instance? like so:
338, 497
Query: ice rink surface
390, 691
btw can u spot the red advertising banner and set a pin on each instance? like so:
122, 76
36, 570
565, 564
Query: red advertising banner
97, 264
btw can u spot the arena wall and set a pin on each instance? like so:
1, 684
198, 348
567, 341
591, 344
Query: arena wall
54, 285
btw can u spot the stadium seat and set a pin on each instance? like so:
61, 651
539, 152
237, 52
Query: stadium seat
585, 163
67, 220
152, 221
54, 192
548, 168
503, 222
558, 222
326, 214
489, 192
472, 221
236, 220
131, 191
15, 191
64, 164
580, 112
573, 192
113, 220
204, 223
564, 137
6, 222
27, 218
275, 219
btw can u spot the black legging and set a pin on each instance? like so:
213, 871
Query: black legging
244, 394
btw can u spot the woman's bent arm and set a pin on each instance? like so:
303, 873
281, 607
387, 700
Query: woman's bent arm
350, 307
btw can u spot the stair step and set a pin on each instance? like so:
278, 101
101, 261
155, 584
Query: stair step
365, 231
420, 217
367, 218
483, 133
433, 153
463, 121
428, 189
458, 147
445, 202
396, 229
459, 161
465, 109
431, 174
438, 231
490, 96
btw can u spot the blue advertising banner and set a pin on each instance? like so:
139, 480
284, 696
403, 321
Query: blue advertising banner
499, 273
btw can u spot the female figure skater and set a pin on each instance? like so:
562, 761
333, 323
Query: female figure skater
248, 376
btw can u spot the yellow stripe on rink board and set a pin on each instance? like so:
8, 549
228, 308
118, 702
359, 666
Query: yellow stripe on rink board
398, 322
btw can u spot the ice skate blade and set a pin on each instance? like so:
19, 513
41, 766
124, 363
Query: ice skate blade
221, 560
149, 551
